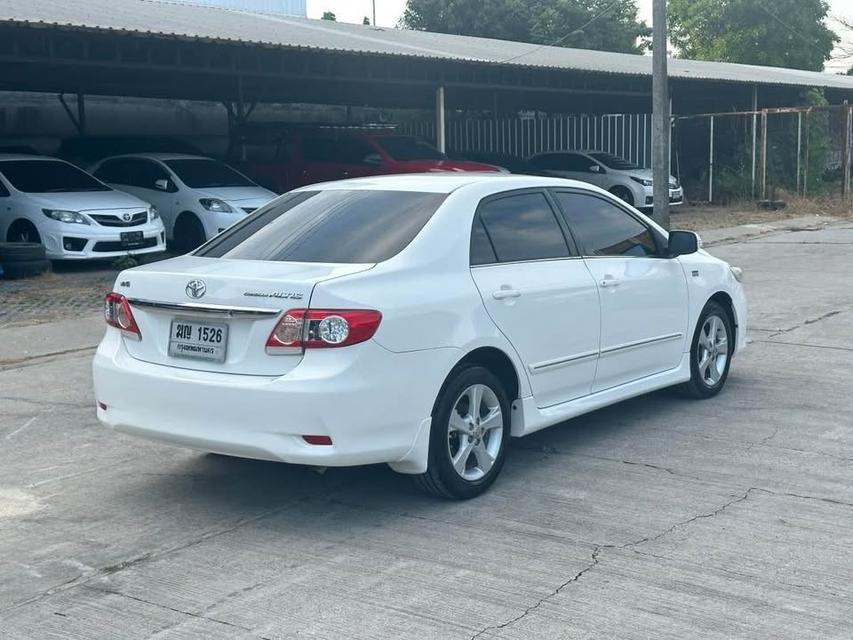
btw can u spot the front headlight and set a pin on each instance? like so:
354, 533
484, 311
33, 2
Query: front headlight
737, 272
153, 214
643, 181
216, 205
69, 217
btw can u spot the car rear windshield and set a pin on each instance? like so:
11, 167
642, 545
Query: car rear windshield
614, 162
348, 227
48, 176
207, 174
405, 148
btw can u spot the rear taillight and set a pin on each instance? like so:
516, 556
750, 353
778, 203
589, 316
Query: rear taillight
322, 329
117, 313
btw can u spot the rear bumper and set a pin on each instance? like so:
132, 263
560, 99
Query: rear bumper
371, 402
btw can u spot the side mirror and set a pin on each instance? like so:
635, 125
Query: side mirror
595, 169
683, 243
373, 159
163, 184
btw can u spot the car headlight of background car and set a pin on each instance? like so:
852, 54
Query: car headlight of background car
643, 181
153, 214
69, 217
216, 205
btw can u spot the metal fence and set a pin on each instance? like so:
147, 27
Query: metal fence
718, 157
625, 135
765, 154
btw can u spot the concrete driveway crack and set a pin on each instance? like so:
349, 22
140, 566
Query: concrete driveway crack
595, 555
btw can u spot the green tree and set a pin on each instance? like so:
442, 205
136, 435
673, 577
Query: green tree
366, 21
775, 33
605, 25
329, 15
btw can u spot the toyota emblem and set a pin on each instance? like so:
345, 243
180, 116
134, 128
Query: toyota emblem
126, 217
196, 288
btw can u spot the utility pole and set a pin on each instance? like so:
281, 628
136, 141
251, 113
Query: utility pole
374, 13
660, 116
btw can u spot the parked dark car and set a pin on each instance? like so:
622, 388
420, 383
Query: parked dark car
303, 157
511, 163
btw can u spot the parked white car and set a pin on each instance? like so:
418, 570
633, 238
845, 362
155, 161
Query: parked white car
197, 197
418, 321
74, 216
622, 178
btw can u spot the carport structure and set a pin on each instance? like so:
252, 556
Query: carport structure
149, 49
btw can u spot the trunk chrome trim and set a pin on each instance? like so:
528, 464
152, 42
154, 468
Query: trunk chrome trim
207, 309
641, 343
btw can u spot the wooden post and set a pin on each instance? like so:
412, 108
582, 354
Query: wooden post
660, 116
845, 154
711, 165
764, 155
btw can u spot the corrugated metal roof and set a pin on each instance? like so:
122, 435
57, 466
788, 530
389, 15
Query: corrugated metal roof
194, 22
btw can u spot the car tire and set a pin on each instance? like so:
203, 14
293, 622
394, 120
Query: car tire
624, 194
710, 352
20, 252
23, 231
188, 234
25, 269
464, 439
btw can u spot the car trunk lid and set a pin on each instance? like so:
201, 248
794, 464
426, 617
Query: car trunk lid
215, 314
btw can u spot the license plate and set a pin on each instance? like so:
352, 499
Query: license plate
131, 238
198, 340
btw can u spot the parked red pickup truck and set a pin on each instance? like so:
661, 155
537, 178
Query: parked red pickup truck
301, 158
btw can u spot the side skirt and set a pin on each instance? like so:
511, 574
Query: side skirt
527, 418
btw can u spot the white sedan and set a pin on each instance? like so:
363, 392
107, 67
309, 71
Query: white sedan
418, 321
74, 216
197, 197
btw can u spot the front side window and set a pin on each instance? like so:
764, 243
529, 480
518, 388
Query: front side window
48, 176
200, 173
335, 226
602, 228
523, 227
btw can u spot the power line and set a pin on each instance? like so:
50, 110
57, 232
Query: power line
559, 41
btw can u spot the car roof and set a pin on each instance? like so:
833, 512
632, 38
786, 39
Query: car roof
25, 156
153, 155
447, 182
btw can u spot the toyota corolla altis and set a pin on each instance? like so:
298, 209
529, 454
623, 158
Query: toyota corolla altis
419, 321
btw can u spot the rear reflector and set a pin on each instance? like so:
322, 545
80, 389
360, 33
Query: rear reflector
318, 440
302, 329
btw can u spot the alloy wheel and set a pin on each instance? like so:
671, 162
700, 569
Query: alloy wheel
712, 353
475, 432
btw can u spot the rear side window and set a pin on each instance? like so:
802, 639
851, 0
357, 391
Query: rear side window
604, 229
4, 192
481, 247
523, 227
348, 227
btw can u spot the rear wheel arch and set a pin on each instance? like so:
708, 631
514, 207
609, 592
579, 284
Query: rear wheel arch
496, 361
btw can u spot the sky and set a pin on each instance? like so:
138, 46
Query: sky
388, 13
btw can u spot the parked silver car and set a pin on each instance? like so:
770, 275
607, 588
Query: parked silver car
622, 178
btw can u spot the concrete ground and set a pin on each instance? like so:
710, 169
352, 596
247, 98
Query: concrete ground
657, 518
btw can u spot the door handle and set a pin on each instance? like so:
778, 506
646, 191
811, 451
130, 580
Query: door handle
610, 281
505, 294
